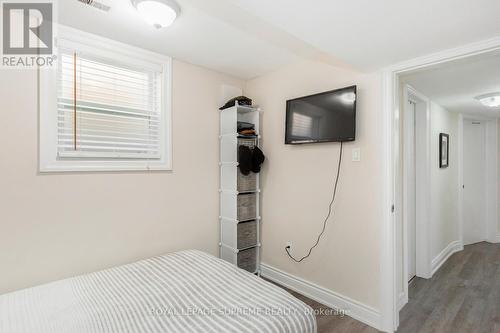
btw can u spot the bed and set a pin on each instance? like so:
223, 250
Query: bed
188, 291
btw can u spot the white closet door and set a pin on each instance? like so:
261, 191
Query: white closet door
411, 189
474, 194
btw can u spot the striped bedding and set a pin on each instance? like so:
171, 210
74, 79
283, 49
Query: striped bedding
187, 291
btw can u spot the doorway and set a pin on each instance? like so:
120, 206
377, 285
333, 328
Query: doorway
395, 103
411, 179
414, 260
474, 182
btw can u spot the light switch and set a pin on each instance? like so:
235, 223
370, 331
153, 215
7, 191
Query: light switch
356, 154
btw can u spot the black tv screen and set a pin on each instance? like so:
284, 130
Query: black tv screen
325, 117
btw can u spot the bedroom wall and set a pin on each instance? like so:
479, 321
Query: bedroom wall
54, 226
444, 182
297, 185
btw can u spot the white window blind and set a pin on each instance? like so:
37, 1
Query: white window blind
107, 109
302, 125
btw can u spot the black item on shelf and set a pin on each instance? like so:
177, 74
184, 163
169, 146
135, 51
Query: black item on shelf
250, 159
245, 159
244, 126
257, 159
242, 100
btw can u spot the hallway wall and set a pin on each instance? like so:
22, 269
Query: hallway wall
444, 210
498, 178
444, 192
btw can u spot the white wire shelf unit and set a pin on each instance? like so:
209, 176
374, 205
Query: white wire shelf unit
239, 194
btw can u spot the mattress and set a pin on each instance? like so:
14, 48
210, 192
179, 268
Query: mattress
188, 291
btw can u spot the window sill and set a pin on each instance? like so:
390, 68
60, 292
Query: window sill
104, 166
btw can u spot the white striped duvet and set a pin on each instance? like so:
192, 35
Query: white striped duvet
188, 291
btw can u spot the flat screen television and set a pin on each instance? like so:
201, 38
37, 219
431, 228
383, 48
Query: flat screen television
324, 117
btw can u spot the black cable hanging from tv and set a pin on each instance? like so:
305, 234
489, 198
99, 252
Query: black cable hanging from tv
287, 248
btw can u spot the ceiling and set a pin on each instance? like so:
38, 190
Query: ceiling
195, 37
455, 85
373, 34
250, 38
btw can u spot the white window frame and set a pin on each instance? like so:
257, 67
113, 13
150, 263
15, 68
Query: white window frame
49, 160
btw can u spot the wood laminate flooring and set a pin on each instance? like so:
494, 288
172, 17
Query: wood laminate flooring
463, 296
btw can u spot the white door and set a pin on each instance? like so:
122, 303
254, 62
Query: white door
410, 202
474, 183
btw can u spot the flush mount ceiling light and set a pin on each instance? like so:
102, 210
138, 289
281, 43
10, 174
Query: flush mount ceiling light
348, 97
159, 13
491, 100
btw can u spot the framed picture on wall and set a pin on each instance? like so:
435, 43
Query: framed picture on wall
444, 150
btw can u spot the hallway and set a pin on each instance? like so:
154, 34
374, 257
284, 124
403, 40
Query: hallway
463, 296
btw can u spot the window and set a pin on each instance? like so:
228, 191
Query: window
302, 125
105, 107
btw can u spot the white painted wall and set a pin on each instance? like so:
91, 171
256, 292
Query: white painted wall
444, 182
60, 225
498, 177
297, 185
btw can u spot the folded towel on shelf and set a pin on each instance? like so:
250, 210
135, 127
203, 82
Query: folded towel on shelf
242, 126
248, 132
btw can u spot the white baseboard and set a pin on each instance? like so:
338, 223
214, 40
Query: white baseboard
441, 258
354, 309
402, 300
493, 240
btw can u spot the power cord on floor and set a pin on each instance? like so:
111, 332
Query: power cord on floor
287, 248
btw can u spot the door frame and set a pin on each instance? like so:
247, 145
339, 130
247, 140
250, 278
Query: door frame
422, 189
391, 158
